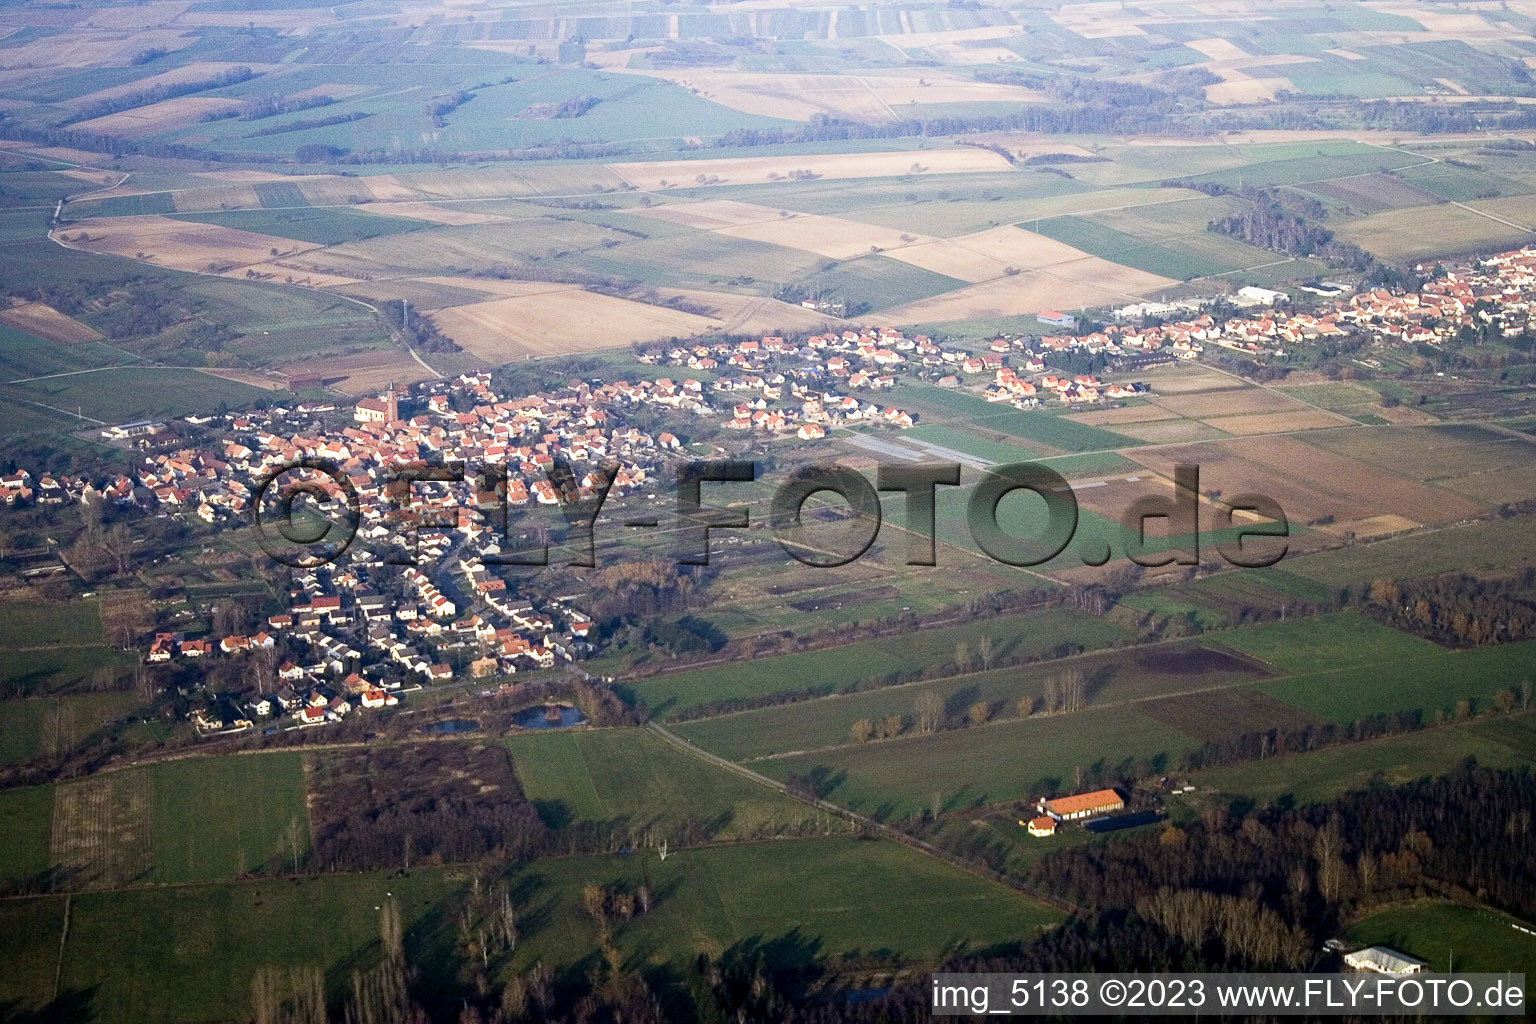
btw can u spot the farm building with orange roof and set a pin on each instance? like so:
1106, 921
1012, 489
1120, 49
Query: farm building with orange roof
1083, 805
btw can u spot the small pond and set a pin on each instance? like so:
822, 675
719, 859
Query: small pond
542, 717
452, 725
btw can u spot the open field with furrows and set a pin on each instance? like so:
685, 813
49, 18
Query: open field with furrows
1224, 714
665, 174
632, 779
1109, 677
835, 668
1440, 230
1440, 455
558, 320
221, 817
101, 832
47, 322
1320, 775
178, 244
1309, 485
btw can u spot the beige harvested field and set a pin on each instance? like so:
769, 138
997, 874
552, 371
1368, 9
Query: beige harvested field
361, 372
1183, 380
1239, 88
92, 175
832, 237
988, 254
180, 245
88, 50
197, 71
455, 216
1218, 49
1103, 201
752, 314
297, 20
494, 182
1092, 282
232, 196
47, 322
558, 321
157, 117
493, 286
252, 176
1128, 414
1278, 422
867, 97
1100, 20
1227, 403
100, 832
1435, 230
1348, 54
250, 378
1436, 20
662, 174
709, 215
1174, 431
1373, 526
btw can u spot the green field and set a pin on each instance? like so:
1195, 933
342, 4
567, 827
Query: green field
1480, 940
58, 669
834, 668
1042, 427
1429, 683
319, 226
1318, 776
29, 726
212, 938
1008, 760
1110, 676
218, 817
26, 817
132, 393
1484, 545
797, 897
632, 777
27, 624
29, 947
807, 898
1327, 642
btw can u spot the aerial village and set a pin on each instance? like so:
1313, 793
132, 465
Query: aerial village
369, 629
